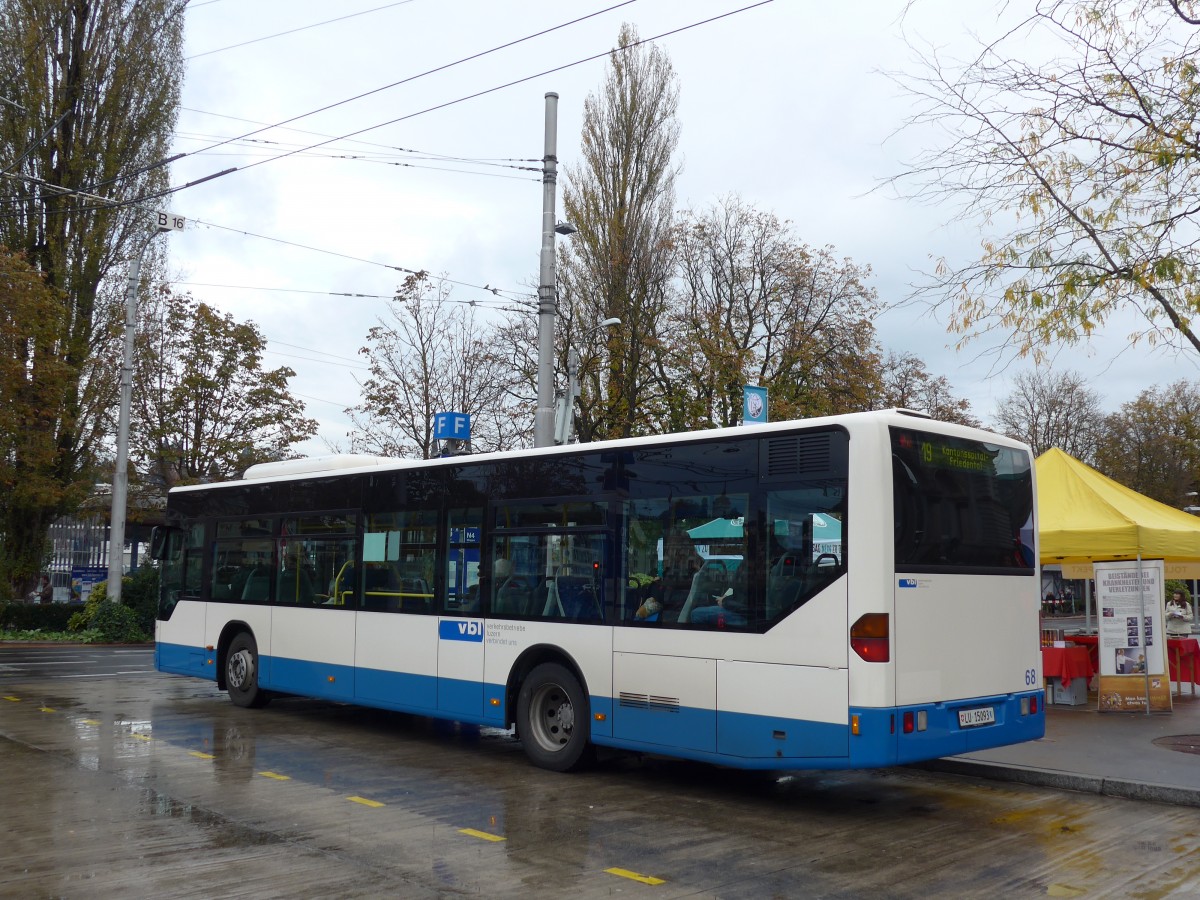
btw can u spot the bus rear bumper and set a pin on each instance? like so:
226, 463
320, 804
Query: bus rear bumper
920, 732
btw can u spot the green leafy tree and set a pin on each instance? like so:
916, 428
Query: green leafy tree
1152, 444
909, 385
754, 305
621, 198
1082, 167
32, 377
433, 355
90, 94
204, 406
1053, 409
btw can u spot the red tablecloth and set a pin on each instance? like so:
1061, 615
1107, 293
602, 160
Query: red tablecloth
1183, 655
1066, 663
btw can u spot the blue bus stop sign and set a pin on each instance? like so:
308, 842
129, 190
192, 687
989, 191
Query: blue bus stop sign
451, 426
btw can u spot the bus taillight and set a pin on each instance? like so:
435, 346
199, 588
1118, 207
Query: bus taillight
869, 637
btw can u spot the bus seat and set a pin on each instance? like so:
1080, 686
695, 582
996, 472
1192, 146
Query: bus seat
707, 584
782, 593
537, 598
379, 584
787, 566
552, 609
820, 576
511, 597
258, 586
577, 597
295, 587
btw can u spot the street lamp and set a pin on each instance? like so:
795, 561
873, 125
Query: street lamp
564, 420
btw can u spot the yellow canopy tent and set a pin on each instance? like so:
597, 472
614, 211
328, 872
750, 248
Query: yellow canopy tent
1084, 516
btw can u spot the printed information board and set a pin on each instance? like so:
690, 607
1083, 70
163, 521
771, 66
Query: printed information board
1133, 664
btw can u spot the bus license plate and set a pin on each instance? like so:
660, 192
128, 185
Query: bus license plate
969, 718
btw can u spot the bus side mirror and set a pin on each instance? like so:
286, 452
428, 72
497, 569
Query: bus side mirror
160, 542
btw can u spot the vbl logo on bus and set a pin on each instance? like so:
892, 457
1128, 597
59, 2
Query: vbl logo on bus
451, 630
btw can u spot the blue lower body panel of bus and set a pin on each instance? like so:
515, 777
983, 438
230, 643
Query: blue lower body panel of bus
181, 660
872, 738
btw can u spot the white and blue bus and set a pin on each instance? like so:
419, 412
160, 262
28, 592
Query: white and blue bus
844, 592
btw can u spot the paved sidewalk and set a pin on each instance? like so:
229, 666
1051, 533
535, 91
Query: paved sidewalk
1105, 753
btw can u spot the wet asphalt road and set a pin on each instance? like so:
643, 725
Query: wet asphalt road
118, 781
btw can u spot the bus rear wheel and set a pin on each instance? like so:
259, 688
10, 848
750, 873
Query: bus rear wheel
552, 719
241, 673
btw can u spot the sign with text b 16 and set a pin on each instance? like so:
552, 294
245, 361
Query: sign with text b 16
1131, 642
167, 221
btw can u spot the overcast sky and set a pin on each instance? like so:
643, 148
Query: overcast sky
784, 104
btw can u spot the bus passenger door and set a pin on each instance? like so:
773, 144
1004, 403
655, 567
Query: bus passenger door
460, 666
460, 633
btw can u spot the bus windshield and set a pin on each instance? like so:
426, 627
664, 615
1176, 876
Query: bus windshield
960, 504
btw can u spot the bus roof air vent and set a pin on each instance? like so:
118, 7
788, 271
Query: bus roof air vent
796, 455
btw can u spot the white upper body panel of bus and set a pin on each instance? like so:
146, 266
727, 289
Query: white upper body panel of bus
339, 464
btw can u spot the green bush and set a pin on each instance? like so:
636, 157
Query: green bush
112, 623
139, 592
117, 624
27, 617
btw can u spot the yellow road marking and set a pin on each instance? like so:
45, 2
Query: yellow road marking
634, 876
48, 709
482, 835
199, 755
364, 801
141, 737
90, 721
276, 776
13, 699
1064, 890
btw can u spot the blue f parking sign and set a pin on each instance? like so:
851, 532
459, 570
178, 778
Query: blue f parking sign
451, 426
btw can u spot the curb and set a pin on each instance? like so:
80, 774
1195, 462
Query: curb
1067, 781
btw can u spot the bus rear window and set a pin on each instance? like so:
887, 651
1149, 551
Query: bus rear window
960, 505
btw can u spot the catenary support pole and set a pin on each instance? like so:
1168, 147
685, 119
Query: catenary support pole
543, 422
120, 485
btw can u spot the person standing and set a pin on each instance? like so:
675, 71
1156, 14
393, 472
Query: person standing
45, 592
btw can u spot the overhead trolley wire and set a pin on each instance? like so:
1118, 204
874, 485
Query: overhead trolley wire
487, 160
432, 71
294, 30
496, 303
511, 296
448, 103
176, 189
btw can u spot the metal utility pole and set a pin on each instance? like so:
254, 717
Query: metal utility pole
543, 422
120, 486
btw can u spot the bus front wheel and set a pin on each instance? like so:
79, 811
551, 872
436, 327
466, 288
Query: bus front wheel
552, 719
241, 673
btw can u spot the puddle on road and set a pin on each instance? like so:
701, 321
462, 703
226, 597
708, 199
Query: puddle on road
221, 832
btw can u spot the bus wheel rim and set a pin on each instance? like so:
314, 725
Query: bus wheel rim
553, 717
241, 669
